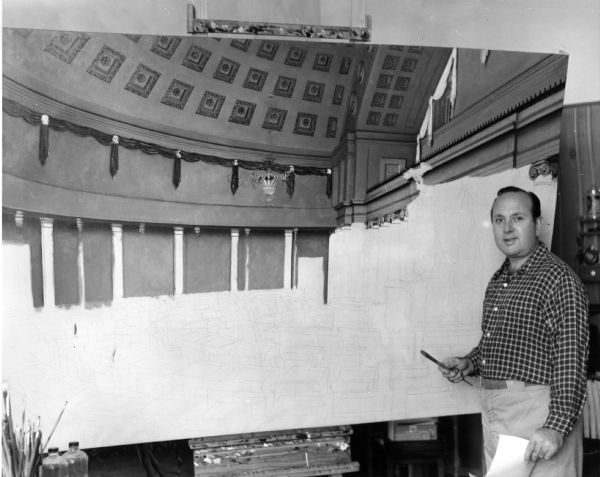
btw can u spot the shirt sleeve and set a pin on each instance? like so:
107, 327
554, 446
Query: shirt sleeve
569, 317
473, 356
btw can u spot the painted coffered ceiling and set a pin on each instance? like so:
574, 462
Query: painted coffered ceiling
264, 95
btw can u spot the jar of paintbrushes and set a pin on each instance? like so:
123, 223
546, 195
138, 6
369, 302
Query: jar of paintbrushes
22, 448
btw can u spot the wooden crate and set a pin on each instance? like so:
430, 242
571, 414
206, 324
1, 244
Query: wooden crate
298, 453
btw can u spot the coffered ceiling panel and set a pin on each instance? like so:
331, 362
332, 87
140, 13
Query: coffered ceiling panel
260, 94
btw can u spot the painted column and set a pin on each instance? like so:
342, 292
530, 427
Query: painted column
47, 225
247, 260
80, 266
117, 269
350, 182
295, 260
235, 237
178, 259
342, 180
287, 260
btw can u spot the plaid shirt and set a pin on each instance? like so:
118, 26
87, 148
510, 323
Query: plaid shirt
535, 329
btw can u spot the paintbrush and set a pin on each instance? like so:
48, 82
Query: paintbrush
442, 365
55, 424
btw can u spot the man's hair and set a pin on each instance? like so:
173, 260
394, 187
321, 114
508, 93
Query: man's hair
536, 208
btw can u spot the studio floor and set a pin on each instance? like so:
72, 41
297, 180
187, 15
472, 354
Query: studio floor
174, 458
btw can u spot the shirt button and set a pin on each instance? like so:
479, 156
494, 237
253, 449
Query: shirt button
483, 361
488, 334
505, 285
495, 308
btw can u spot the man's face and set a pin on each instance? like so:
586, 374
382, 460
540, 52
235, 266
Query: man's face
515, 230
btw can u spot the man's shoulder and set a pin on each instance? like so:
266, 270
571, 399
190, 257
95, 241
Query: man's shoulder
549, 259
556, 267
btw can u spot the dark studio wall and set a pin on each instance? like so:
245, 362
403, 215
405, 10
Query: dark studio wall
578, 173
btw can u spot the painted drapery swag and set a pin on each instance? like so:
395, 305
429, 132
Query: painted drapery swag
17, 110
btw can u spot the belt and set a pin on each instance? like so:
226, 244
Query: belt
503, 384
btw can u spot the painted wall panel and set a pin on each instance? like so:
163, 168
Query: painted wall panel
313, 243
147, 261
266, 260
206, 260
97, 262
66, 279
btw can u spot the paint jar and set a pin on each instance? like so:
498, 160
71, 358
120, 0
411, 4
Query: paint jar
77, 459
54, 465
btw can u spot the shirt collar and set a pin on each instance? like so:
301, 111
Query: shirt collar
540, 251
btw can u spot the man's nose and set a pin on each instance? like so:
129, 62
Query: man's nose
508, 225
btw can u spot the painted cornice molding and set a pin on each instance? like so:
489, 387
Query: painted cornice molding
544, 80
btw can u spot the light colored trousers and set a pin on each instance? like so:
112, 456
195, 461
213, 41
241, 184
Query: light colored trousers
519, 411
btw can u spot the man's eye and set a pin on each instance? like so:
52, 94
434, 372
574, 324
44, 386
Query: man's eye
518, 218
498, 220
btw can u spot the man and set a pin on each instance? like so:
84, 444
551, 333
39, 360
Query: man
533, 351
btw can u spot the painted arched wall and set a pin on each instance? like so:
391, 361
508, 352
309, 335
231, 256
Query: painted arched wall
75, 182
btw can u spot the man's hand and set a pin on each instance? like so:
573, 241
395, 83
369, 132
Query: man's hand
459, 368
544, 444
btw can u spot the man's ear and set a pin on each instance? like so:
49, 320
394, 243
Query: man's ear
538, 225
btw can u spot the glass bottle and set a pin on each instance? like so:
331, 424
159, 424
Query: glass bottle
77, 459
593, 203
54, 465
